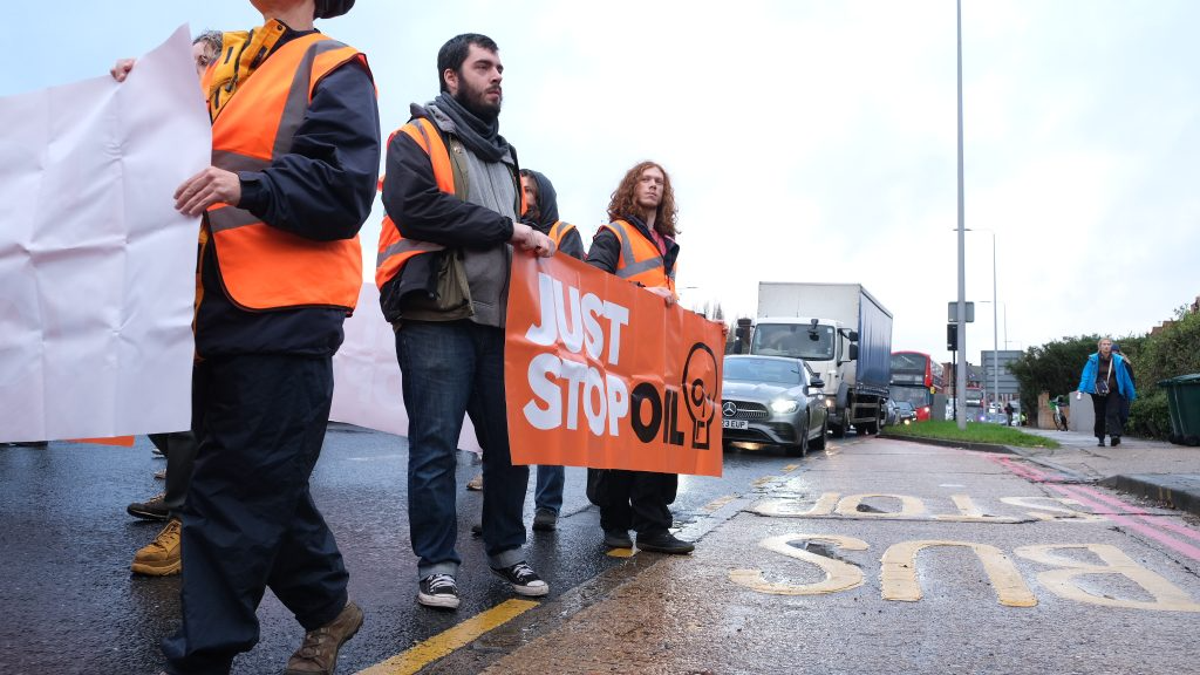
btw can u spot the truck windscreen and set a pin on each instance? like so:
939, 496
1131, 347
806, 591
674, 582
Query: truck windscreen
802, 341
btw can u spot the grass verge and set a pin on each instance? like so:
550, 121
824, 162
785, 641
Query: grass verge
976, 432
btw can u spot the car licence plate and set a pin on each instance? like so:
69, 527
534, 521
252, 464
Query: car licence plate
735, 424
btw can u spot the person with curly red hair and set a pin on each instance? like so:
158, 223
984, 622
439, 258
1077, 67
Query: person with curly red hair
638, 244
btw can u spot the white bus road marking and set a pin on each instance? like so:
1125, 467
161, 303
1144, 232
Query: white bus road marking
834, 505
899, 578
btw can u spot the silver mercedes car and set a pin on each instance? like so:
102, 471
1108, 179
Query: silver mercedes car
773, 400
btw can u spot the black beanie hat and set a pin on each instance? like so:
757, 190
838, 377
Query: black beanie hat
327, 9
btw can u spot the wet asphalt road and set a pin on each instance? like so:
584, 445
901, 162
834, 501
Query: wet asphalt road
71, 605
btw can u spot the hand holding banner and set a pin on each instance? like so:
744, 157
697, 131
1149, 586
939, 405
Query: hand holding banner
600, 373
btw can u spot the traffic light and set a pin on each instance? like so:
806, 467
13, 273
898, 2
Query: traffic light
952, 337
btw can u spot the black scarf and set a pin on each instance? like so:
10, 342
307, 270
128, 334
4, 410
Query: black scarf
481, 138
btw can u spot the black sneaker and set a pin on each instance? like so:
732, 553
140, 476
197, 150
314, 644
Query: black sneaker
1116, 440
544, 520
617, 539
1100, 443
477, 530
523, 579
438, 590
664, 543
151, 509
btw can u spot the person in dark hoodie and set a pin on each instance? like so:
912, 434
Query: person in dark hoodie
269, 317
541, 213
639, 246
453, 199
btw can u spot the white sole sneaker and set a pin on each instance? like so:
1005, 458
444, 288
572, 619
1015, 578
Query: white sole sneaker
439, 601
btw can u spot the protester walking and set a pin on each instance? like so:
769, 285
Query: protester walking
1106, 379
453, 198
639, 245
292, 181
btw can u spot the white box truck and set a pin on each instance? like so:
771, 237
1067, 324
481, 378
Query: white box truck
844, 334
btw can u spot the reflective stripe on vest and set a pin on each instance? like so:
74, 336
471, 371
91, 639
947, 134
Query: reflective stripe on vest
394, 250
263, 267
559, 230
640, 260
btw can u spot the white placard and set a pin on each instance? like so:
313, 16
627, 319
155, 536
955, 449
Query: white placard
97, 267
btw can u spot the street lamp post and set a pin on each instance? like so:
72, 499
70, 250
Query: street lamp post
995, 316
960, 373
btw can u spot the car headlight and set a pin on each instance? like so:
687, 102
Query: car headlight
784, 406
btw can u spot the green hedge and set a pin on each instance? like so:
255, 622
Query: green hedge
1149, 416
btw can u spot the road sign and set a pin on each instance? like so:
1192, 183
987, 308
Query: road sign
952, 312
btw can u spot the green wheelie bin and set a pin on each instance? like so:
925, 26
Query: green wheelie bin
1183, 401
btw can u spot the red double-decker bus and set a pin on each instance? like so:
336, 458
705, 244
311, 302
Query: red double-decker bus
917, 378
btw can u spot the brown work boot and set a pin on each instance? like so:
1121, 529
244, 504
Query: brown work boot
319, 652
160, 557
475, 484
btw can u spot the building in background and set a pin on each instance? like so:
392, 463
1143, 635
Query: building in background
1009, 388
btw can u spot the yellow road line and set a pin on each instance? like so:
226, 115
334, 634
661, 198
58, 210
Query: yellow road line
416, 658
719, 502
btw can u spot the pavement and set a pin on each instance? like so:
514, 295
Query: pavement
783, 582
1160, 471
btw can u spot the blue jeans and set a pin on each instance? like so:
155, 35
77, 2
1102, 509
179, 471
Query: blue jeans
549, 491
450, 369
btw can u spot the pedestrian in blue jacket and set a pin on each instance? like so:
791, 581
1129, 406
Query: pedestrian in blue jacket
1106, 378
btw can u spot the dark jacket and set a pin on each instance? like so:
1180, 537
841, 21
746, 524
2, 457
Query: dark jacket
421, 211
605, 252
322, 189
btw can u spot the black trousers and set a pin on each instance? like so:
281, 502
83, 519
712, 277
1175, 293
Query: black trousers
249, 522
1108, 415
635, 500
180, 450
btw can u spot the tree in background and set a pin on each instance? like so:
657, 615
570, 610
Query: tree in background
1172, 351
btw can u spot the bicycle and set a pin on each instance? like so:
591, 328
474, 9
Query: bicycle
1060, 419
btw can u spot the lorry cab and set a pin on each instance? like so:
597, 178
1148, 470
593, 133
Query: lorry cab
828, 347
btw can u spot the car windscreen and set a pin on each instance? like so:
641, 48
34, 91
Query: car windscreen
802, 341
763, 370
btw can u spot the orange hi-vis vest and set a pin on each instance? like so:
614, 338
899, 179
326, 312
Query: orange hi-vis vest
559, 230
394, 249
451, 177
640, 261
262, 267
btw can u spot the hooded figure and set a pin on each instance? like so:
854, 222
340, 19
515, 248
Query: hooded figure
541, 213
327, 9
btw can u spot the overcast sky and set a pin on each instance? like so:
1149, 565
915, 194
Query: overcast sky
811, 141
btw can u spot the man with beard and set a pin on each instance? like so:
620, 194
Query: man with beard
295, 135
452, 199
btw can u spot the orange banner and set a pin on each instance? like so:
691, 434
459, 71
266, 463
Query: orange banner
121, 441
601, 373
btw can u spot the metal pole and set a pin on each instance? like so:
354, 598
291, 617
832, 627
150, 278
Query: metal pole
1006, 326
960, 373
995, 326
